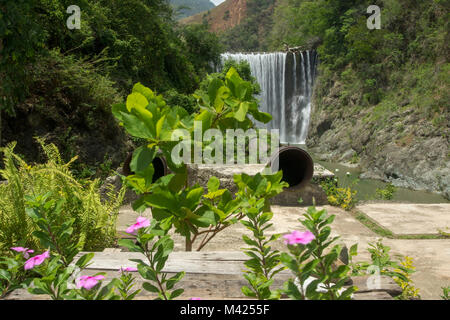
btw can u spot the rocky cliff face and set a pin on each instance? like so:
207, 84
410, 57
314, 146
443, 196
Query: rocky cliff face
399, 145
223, 17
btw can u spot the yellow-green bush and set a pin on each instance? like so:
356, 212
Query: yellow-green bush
95, 220
343, 197
409, 291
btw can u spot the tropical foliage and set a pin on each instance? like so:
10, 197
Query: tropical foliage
403, 65
93, 221
227, 104
54, 77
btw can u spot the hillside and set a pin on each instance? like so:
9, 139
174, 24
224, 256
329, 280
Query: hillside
59, 84
223, 17
187, 8
381, 99
243, 25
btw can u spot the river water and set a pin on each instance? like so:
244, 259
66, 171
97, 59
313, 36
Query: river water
367, 187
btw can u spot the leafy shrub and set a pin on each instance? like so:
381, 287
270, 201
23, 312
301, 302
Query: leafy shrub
95, 221
156, 245
355, 158
341, 197
12, 274
409, 291
264, 263
446, 293
382, 264
224, 105
313, 259
386, 193
69, 103
187, 102
241, 67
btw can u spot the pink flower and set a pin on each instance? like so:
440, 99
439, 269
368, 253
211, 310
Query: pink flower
299, 237
89, 282
194, 298
128, 269
141, 222
36, 260
25, 251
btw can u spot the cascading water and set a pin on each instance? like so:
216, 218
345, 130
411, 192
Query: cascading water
286, 81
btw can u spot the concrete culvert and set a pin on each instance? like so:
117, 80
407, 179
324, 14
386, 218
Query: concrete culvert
159, 164
296, 164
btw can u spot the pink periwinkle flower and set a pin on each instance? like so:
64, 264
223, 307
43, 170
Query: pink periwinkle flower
195, 298
88, 282
128, 269
141, 222
299, 237
36, 260
25, 251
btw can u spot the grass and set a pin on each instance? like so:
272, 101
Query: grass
386, 233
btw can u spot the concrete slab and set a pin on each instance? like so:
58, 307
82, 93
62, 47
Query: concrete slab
289, 197
252, 169
285, 220
409, 218
431, 257
432, 261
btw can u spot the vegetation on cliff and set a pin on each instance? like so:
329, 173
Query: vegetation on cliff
382, 95
187, 8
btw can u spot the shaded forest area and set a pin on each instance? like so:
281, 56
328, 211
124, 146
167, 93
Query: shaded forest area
60, 84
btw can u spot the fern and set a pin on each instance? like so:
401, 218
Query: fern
95, 220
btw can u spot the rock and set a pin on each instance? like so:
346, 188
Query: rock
386, 284
200, 174
23, 294
401, 146
347, 155
374, 295
113, 185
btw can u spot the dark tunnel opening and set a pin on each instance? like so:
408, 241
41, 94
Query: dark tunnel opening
160, 166
296, 164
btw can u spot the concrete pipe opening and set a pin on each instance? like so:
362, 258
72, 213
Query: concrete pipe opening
296, 164
159, 164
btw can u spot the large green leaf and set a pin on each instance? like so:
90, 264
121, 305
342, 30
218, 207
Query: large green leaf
213, 184
136, 127
241, 113
146, 92
163, 200
142, 158
117, 109
193, 198
213, 89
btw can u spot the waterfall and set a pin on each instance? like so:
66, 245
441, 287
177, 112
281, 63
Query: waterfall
286, 81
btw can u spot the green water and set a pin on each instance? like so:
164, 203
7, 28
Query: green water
367, 187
